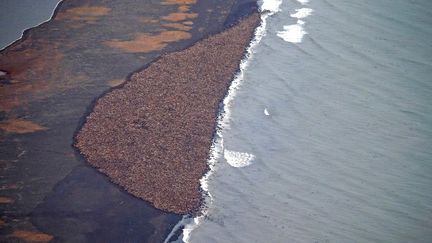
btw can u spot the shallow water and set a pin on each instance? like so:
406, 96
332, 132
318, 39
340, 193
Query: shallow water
17, 16
337, 119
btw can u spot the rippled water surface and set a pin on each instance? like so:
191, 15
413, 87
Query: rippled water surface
334, 121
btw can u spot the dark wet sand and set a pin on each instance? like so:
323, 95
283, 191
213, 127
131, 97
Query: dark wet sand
153, 135
48, 191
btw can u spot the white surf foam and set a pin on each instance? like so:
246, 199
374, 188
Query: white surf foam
238, 159
294, 33
268, 8
303, 2
302, 13
271, 5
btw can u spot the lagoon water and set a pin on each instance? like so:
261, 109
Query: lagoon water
17, 16
330, 131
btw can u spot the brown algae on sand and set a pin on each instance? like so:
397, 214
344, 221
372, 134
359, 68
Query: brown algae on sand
178, 2
20, 126
6, 200
178, 26
84, 13
152, 136
30, 236
26, 62
180, 16
146, 43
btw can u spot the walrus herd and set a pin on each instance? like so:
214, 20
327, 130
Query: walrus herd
152, 136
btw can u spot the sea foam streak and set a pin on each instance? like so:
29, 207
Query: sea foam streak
238, 159
268, 8
303, 2
294, 33
302, 13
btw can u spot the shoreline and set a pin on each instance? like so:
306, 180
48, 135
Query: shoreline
189, 224
47, 115
24, 31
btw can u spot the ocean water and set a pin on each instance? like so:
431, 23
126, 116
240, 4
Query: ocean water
19, 15
327, 131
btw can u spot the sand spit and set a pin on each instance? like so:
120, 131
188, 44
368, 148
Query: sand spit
152, 136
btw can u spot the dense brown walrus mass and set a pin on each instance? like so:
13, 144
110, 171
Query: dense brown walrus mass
153, 135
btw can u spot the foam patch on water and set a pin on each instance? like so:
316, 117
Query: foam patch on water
302, 13
300, 22
303, 2
294, 33
238, 159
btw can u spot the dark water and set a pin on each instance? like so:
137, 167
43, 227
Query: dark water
330, 135
16, 16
